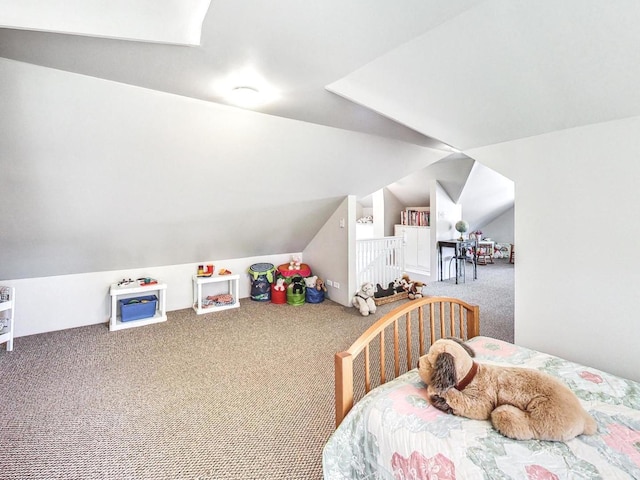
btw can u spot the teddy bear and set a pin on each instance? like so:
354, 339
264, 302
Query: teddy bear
294, 264
416, 290
310, 282
320, 286
279, 284
522, 403
363, 299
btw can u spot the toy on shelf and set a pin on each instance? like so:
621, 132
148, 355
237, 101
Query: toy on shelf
206, 270
224, 271
218, 300
144, 281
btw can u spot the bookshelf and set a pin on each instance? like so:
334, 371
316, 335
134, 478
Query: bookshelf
416, 216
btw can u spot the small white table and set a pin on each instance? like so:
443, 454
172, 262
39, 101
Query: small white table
115, 321
233, 288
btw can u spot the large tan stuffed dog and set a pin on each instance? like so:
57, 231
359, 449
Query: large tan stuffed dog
522, 403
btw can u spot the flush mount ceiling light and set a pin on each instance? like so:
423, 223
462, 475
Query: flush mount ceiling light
245, 96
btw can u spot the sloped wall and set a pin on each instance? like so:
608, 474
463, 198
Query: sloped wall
501, 229
331, 253
100, 176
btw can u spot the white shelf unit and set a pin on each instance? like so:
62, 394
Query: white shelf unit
6, 333
233, 288
128, 291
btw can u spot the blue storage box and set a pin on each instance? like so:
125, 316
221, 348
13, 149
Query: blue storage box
138, 307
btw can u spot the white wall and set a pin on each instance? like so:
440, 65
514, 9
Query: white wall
331, 253
380, 214
501, 229
392, 208
100, 176
576, 229
444, 214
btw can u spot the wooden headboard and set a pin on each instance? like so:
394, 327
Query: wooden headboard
445, 316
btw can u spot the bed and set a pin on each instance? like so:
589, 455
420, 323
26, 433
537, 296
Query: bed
386, 429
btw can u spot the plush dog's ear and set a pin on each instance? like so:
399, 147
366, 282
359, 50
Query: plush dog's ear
466, 347
444, 372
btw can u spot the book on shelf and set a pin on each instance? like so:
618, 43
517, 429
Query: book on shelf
415, 216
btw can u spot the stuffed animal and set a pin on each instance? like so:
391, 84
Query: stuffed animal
297, 284
406, 283
398, 285
320, 286
310, 282
384, 292
363, 299
279, 284
294, 264
522, 403
416, 290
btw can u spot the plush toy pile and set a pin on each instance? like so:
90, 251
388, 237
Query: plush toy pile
522, 403
401, 285
290, 283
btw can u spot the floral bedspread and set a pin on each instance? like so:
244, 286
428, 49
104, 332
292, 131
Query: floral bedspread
393, 433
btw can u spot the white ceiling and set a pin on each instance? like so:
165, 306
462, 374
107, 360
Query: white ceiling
177, 21
465, 72
508, 69
292, 49
449, 75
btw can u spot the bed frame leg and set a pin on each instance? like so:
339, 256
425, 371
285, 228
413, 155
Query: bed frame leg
343, 385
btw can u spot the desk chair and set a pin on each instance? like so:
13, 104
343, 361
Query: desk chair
462, 260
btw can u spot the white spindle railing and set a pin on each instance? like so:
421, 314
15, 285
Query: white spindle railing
379, 260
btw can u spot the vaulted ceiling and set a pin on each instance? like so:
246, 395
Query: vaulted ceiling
288, 49
449, 76
464, 72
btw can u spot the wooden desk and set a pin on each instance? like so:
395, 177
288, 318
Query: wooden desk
459, 247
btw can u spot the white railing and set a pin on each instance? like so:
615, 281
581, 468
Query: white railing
379, 260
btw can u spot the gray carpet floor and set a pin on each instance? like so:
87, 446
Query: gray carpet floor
240, 394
